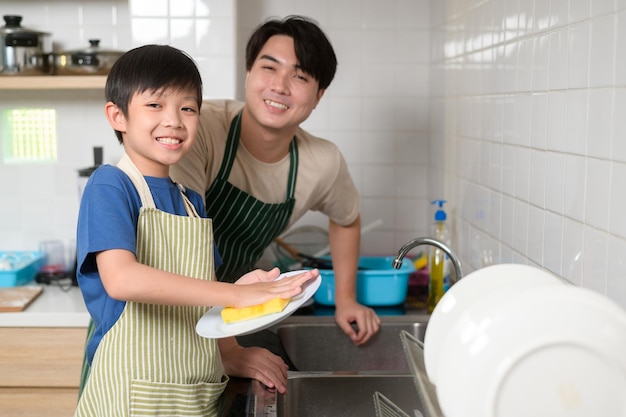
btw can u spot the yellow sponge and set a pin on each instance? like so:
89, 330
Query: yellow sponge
232, 314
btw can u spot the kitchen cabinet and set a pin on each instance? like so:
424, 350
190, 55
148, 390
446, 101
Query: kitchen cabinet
53, 82
41, 355
40, 370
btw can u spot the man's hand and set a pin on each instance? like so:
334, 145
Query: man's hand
366, 320
253, 362
344, 249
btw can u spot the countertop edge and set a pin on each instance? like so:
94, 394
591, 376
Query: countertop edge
24, 319
55, 307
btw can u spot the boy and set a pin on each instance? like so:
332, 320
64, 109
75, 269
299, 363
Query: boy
145, 252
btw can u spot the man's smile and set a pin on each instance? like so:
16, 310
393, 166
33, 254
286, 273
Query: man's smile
276, 104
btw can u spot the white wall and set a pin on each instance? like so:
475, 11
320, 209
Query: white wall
40, 201
529, 130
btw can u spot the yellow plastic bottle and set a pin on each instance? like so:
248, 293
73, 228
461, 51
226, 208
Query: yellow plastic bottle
437, 260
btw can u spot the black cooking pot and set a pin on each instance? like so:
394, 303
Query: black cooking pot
88, 61
23, 51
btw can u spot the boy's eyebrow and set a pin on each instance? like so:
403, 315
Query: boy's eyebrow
162, 92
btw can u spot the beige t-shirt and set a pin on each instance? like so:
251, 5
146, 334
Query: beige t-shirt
323, 182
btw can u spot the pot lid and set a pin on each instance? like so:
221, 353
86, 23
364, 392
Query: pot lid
13, 25
93, 49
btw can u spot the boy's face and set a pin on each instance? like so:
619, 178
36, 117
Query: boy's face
279, 95
159, 129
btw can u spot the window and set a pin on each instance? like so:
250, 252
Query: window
29, 135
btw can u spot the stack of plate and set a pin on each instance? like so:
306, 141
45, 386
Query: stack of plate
512, 340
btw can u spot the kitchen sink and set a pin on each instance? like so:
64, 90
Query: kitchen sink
346, 395
330, 376
330, 395
318, 344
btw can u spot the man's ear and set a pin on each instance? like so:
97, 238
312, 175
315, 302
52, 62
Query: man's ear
320, 94
114, 115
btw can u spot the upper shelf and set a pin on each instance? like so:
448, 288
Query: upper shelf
52, 82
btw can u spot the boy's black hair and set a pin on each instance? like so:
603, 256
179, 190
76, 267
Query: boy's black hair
313, 50
154, 68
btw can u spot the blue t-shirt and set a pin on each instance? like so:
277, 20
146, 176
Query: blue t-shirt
109, 211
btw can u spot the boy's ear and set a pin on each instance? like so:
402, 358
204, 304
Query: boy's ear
114, 115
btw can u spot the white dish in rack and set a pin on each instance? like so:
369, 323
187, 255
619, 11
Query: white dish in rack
485, 286
552, 350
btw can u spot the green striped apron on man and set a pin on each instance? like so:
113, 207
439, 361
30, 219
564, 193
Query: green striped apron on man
152, 362
243, 225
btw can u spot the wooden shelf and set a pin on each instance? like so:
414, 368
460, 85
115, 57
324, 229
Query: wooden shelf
53, 82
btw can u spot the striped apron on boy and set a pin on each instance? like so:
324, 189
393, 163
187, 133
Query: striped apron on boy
152, 362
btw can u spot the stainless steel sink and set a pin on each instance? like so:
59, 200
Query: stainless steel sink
317, 344
345, 395
330, 376
330, 395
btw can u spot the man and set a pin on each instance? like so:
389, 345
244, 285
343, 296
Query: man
261, 172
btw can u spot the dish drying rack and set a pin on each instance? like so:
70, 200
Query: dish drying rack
414, 351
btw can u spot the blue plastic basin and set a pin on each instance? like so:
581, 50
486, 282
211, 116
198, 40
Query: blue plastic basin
378, 284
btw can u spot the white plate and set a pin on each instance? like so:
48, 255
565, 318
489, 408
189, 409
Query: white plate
212, 326
552, 350
486, 285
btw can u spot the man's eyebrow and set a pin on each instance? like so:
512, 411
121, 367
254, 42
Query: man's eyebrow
271, 58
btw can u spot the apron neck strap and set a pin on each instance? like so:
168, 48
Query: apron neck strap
189, 207
138, 180
293, 168
126, 165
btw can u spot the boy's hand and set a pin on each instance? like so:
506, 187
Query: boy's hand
253, 362
259, 286
258, 275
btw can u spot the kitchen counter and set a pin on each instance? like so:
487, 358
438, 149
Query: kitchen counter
58, 308
53, 308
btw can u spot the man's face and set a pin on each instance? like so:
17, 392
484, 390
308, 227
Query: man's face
279, 95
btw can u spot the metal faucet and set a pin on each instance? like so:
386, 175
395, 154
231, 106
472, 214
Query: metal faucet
397, 262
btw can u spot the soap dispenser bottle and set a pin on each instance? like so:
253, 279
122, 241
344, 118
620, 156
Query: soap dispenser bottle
438, 265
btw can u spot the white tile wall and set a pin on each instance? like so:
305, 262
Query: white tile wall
40, 201
509, 109
555, 184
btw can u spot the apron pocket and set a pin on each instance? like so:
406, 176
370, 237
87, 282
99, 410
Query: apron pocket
169, 399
